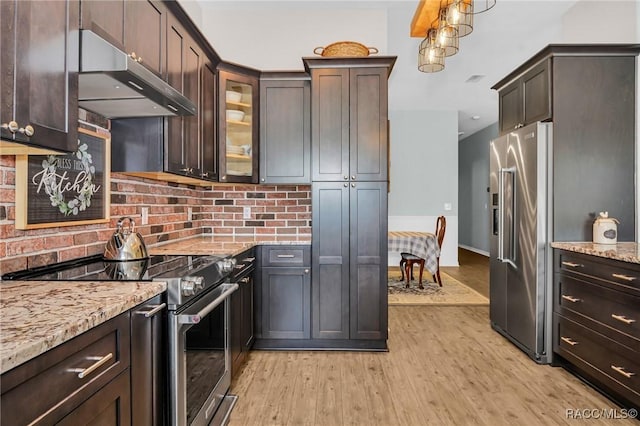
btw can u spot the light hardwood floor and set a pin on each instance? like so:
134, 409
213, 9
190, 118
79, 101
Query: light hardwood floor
445, 366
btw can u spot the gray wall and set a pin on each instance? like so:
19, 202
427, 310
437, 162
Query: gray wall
473, 180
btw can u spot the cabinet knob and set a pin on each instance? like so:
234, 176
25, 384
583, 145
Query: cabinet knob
187, 170
353, 185
346, 185
353, 177
139, 60
12, 126
205, 174
224, 177
346, 177
306, 271
133, 56
27, 130
262, 180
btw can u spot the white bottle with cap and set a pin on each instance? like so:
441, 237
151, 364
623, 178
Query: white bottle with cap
605, 229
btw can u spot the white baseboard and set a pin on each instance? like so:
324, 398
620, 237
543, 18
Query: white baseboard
475, 250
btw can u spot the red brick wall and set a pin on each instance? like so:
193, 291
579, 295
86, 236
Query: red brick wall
277, 213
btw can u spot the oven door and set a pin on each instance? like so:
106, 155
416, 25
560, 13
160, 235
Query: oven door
199, 357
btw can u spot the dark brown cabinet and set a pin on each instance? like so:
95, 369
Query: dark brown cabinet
137, 27
180, 149
349, 119
349, 262
238, 123
527, 99
285, 292
589, 93
185, 72
39, 73
148, 363
596, 333
87, 372
242, 319
285, 128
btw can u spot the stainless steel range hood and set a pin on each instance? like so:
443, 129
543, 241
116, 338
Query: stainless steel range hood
114, 85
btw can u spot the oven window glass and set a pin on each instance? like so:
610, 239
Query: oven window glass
205, 359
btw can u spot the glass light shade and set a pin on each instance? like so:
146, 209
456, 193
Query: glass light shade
480, 6
430, 56
447, 36
459, 14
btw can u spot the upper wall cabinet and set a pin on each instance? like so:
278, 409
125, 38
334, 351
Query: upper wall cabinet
238, 124
39, 73
589, 92
137, 27
527, 99
285, 128
349, 139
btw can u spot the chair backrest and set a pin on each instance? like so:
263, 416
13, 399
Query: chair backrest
441, 227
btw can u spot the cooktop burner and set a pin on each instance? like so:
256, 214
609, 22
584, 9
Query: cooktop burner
94, 268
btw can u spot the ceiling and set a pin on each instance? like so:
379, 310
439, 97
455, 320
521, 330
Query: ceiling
502, 39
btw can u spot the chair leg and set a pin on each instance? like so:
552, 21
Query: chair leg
421, 269
438, 272
402, 265
412, 277
407, 266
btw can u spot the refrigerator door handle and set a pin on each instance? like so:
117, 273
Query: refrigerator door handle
510, 257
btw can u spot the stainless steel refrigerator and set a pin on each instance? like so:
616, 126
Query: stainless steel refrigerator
520, 262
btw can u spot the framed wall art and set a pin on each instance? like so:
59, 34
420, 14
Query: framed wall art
65, 190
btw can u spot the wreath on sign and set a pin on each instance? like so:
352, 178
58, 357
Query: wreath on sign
54, 189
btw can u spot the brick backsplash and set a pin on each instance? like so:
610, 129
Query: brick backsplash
278, 213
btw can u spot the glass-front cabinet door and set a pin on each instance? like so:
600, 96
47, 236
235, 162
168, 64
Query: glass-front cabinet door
238, 142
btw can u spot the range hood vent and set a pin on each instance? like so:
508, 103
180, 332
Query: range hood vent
114, 85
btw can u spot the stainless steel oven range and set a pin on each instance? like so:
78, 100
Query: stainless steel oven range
197, 330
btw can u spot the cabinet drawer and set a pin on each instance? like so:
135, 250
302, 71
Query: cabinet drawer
286, 256
98, 355
615, 365
611, 270
620, 311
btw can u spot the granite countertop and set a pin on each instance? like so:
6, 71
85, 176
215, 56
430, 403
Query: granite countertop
36, 316
625, 252
210, 245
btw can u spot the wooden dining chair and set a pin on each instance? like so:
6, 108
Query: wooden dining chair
409, 259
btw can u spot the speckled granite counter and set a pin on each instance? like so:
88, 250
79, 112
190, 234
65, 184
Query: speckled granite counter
625, 252
36, 316
209, 245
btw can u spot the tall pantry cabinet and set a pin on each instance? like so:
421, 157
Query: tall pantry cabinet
349, 150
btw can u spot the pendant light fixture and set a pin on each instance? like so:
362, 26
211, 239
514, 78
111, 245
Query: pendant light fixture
447, 35
430, 55
480, 6
459, 14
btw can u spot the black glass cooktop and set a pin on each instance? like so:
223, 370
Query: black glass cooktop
94, 268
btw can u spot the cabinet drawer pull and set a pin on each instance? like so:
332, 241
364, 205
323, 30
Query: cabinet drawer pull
623, 277
12, 126
573, 264
154, 310
621, 371
245, 280
99, 361
623, 319
571, 299
248, 259
286, 256
569, 341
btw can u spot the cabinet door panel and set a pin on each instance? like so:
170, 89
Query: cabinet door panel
192, 90
537, 93
105, 18
330, 260
510, 107
285, 303
368, 124
46, 71
7, 70
208, 116
368, 260
145, 33
285, 132
330, 132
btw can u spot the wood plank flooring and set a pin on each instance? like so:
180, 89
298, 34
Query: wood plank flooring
445, 366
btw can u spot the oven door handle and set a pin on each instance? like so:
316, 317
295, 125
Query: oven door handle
197, 317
